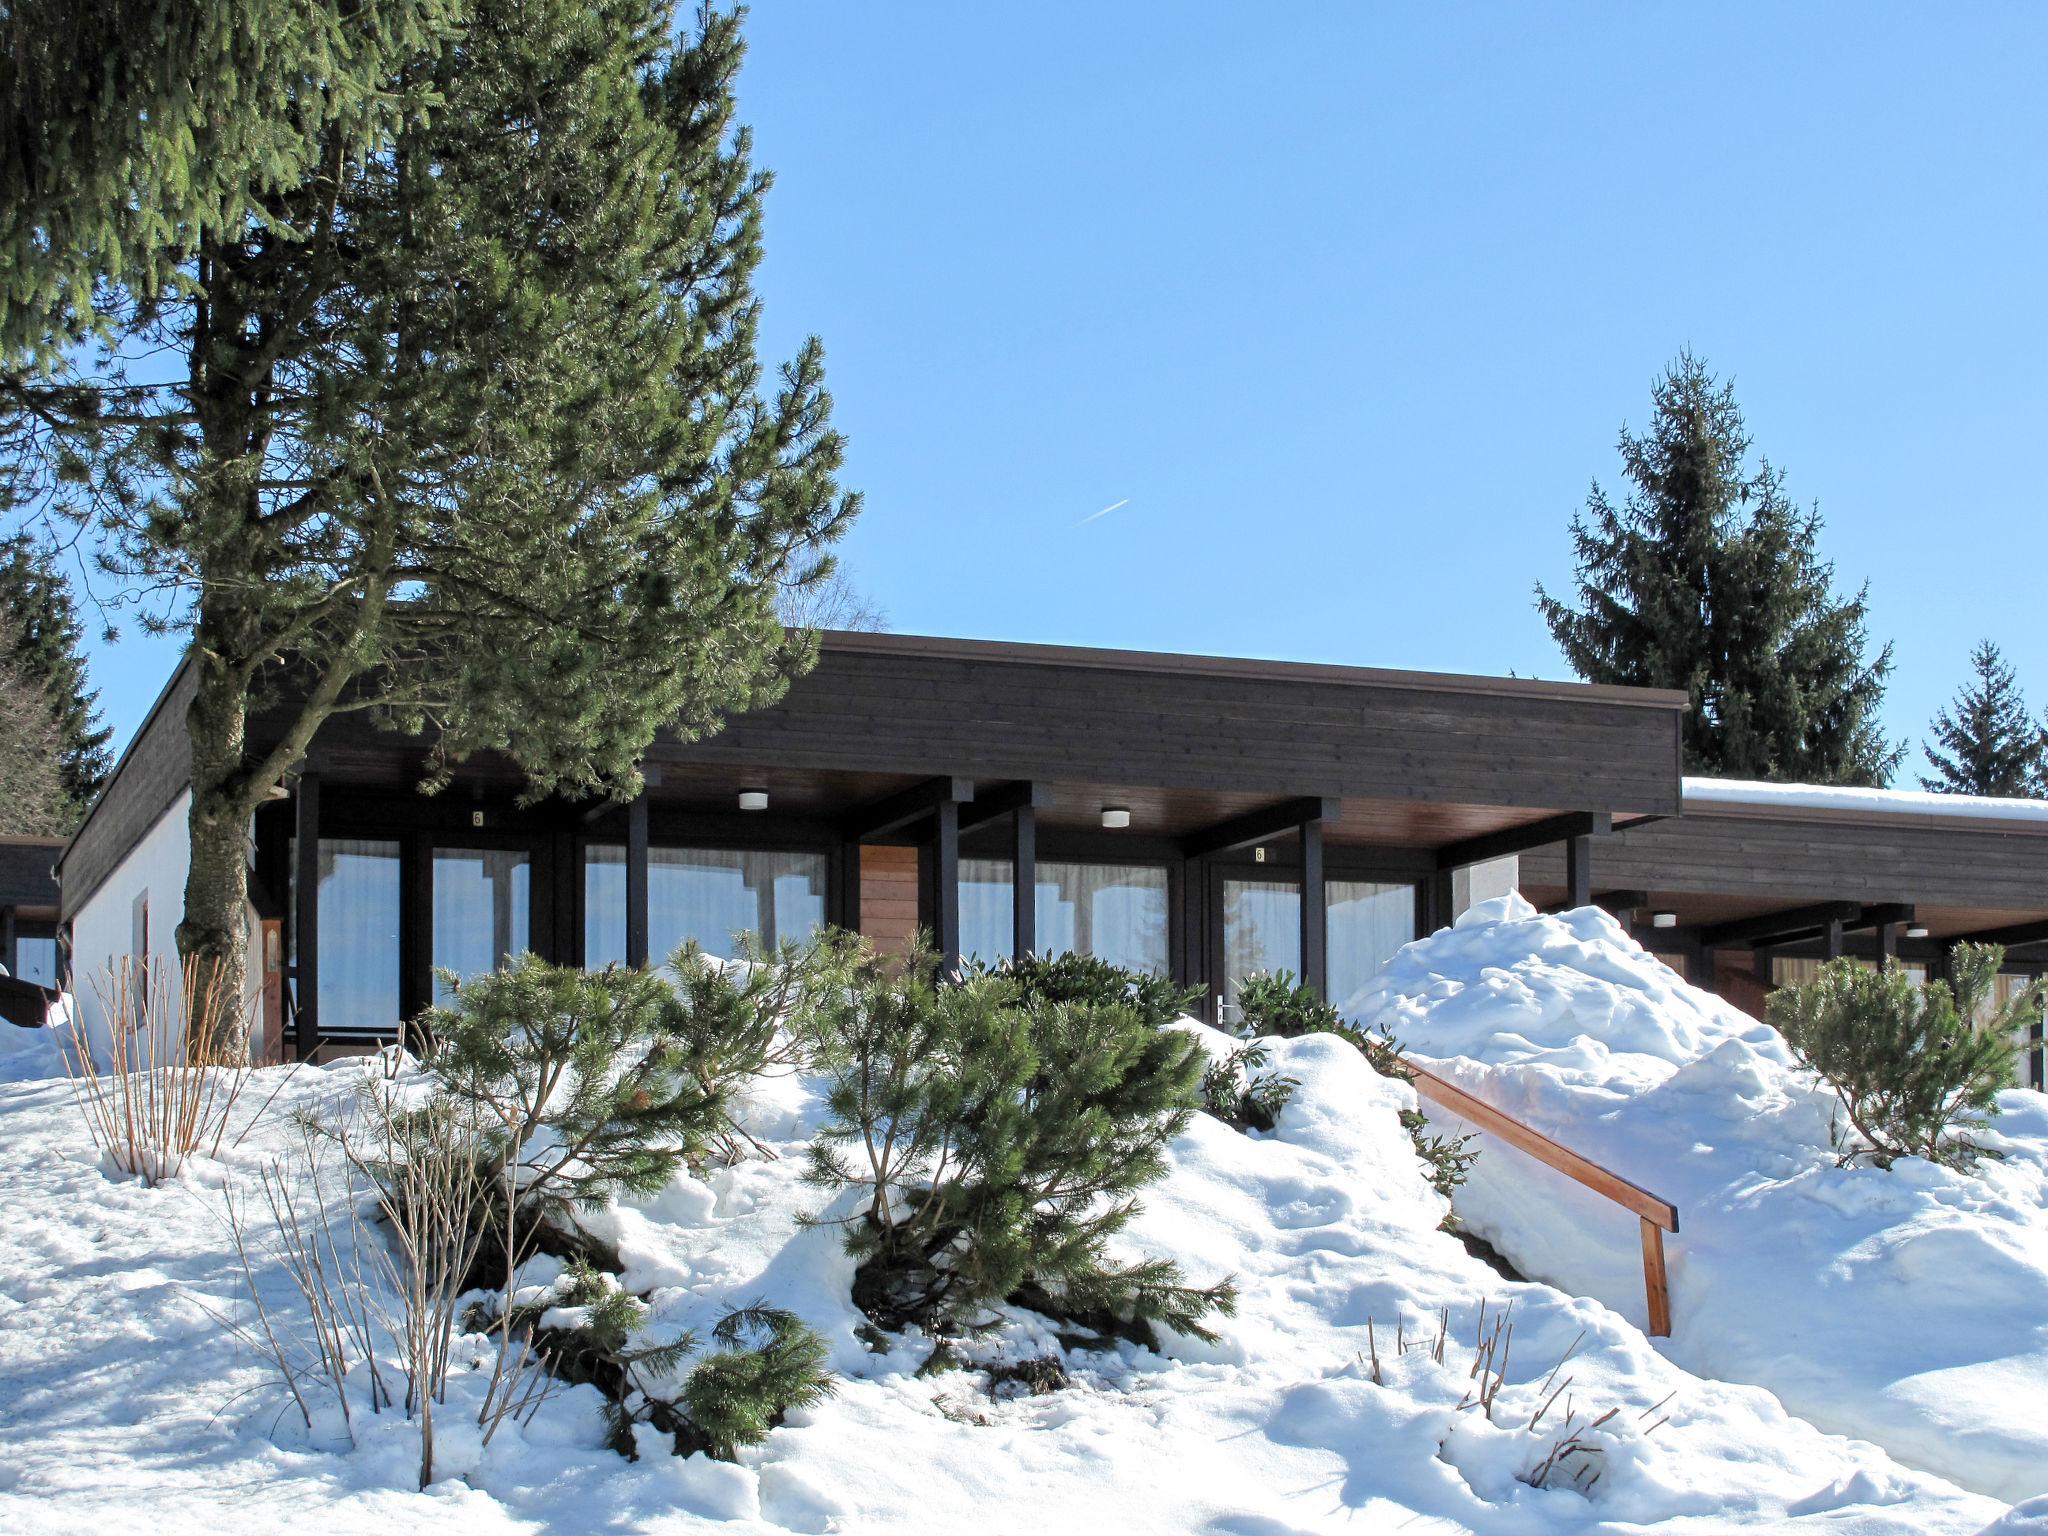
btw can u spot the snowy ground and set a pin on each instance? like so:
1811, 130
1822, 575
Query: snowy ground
1907, 1307
125, 1407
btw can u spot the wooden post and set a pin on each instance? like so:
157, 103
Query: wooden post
1024, 883
269, 1049
9, 946
1656, 1283
849, 887
1832, 938
1578, 871
1193, 919
306, 916
636, 882
415, 934
1887, 943
945, 877
1315, 911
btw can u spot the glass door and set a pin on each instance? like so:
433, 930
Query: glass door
483, 910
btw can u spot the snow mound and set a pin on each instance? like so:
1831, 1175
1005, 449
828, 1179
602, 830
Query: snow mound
1907, 1307
127, 1406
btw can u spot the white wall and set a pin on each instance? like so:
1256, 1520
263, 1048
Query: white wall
102, 931
1483, 882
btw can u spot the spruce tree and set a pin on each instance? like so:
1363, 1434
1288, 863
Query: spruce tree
1986, 743
1707, 579
468, 426
35, 803
42, 620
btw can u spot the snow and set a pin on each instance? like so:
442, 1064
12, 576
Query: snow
1705, 794
127, 1406
1908, 1307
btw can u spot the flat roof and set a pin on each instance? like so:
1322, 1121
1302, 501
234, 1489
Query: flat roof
1847, 803
885, 643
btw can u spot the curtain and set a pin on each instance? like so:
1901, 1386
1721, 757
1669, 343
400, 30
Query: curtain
482, 905
712, 895
358, 897
1368, 922
1116, 912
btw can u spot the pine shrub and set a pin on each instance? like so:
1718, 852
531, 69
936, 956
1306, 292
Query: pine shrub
1000, 1129
1917, 1067
769, 1361
587, 1094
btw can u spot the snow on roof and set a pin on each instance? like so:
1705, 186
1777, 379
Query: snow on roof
1700, 794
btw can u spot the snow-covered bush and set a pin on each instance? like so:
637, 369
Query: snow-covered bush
1273, 1003
1917, 1066
1238, 1090
588, 1329
998, 1130
176, 1062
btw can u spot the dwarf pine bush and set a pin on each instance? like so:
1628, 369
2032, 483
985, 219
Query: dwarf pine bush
999, 1129
1916, 1066
586, 1092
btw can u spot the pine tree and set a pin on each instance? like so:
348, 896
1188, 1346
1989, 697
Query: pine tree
135, 129
1916, 1066
1986, 743
31, 750
470, 428
36, 602
1707, 580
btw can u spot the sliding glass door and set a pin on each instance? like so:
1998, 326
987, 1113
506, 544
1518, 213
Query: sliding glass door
483, 910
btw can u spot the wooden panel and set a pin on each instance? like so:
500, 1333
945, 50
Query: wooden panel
27, 881
888, 897
1297, 731
1785, 862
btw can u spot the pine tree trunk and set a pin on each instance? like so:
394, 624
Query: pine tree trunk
215, 928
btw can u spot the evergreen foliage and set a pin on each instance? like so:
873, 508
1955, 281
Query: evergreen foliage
1917, 1067
1238, 1090
1986, 743
733, 1023
998, 1131
588, 1330
464, 419
768, 1362
584, 1091
43, 636
137, 128
36, 803
1707, 580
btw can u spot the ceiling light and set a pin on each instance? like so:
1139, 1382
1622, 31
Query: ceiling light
1917, 931
1663, 919
753, 799
1115, 816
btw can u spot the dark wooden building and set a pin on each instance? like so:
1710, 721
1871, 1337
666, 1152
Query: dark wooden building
1199, 816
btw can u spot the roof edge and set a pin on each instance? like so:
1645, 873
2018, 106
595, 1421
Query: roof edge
121, 762
872, 642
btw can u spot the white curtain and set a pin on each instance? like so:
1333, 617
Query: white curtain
1116, 912
712, 895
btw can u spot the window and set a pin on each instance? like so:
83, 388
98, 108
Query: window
36, 960
1116, 912
1261, 931
712, 895
1367, 924
482, 907
358, 895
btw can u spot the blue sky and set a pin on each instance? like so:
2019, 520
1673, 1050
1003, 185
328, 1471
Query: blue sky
1346, 306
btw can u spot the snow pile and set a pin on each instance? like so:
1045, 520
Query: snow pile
1907, 1307
127, 1406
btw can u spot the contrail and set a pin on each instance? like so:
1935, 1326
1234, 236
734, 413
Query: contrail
1103, 513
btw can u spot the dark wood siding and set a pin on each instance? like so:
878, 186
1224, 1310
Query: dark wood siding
1009, 716
152, 773
25, 877
1954, 863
